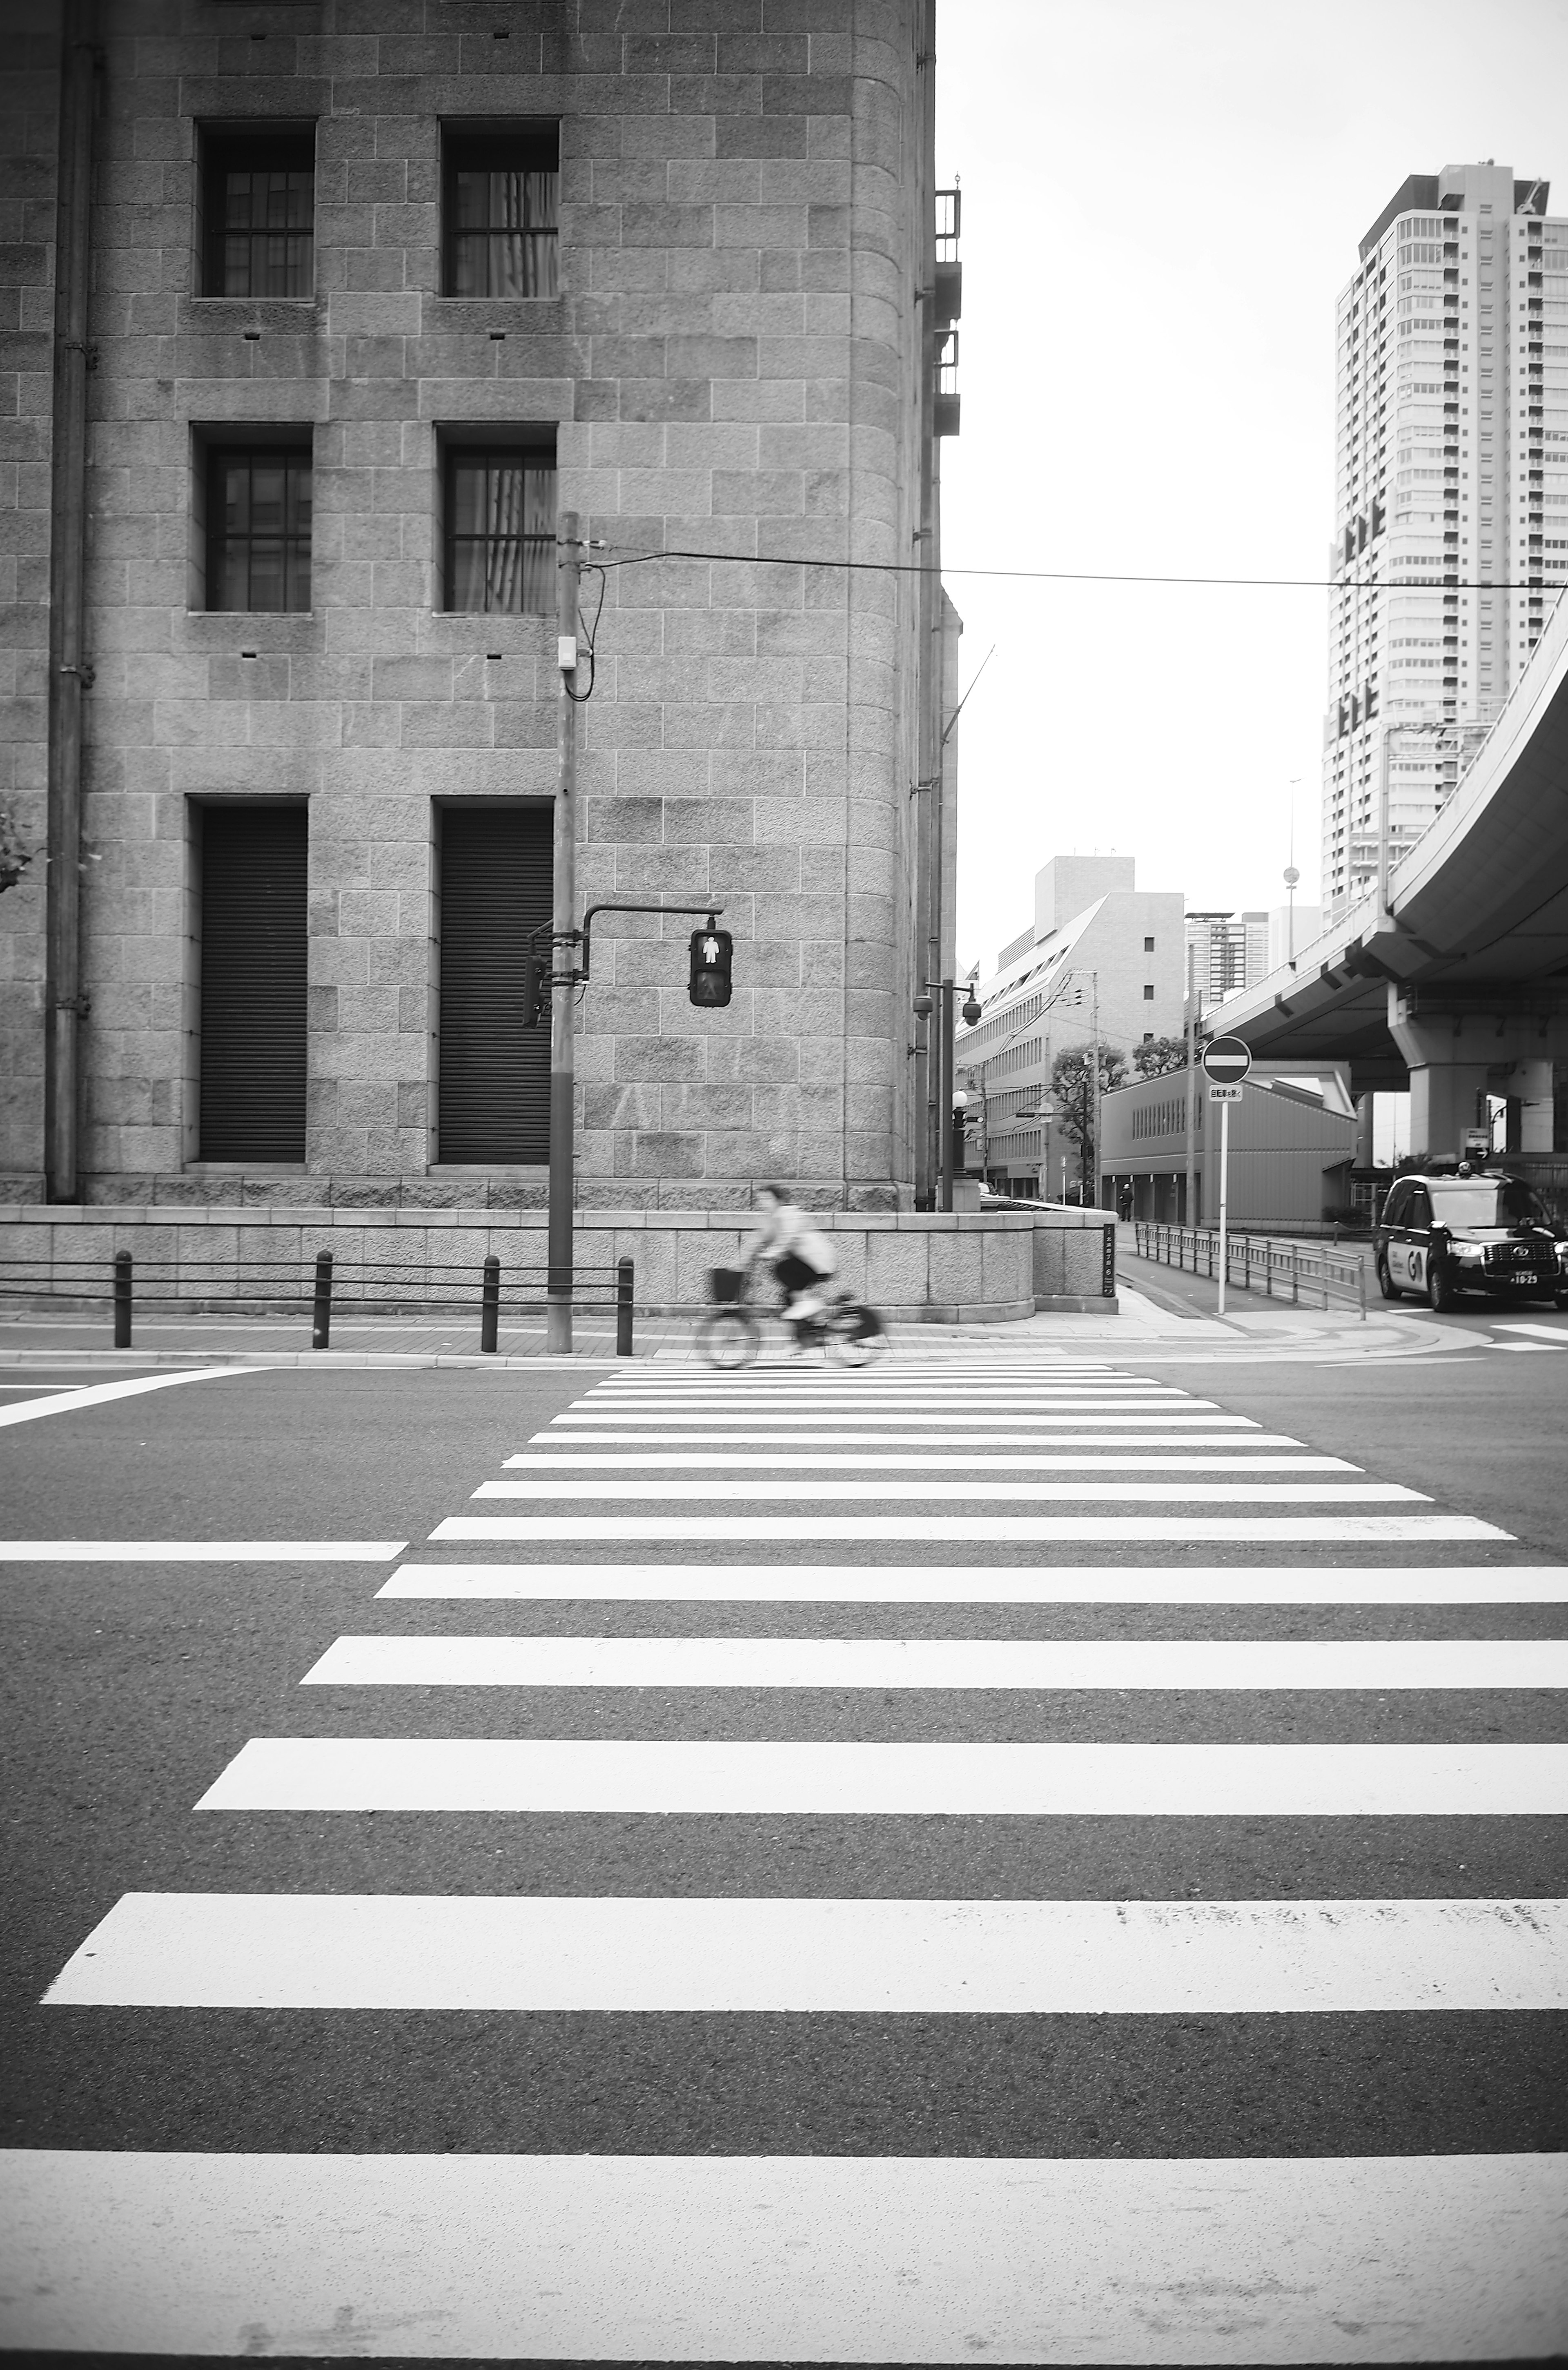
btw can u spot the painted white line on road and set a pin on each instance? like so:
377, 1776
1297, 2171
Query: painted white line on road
330, 1773
848, 2259
938, 1663
1014, 1530
870, 1583
628, 1956
99, 1394
200, 1550
1098, 1492
1177, 1422
925, 1461
1556, 1334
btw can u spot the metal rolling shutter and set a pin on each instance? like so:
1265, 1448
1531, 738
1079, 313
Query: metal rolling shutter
495, 887
253, 983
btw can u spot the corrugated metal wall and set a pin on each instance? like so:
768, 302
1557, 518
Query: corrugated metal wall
253, 983
493, 1099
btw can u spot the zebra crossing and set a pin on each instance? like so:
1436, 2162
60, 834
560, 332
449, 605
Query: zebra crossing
921, 1705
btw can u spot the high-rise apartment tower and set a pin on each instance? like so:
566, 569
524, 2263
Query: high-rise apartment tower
1451, 506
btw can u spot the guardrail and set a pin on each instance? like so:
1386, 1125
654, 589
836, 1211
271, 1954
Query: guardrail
1278, 1267
335, 1287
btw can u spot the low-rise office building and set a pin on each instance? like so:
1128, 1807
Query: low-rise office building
1103, 955
1293, 1145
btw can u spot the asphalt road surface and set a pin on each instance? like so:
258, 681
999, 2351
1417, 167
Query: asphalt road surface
1038, 1860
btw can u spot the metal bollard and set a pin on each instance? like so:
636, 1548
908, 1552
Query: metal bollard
490, 1302
321, 1315
626, 1275
123, 1300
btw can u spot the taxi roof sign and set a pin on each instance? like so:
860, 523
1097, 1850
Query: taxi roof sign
1227, 1061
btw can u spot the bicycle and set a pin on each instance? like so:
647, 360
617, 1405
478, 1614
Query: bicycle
729, 1336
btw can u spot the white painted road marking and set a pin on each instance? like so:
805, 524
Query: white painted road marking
330, 1773
200, 1550
842, 2258
883, 1584
1015, 1493
99, 1394
580, 1460
1556, 1334
1226, 1663
1018, 1530
788, 1428
814, 1957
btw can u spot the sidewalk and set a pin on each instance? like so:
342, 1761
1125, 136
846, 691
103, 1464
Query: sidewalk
1152, 1325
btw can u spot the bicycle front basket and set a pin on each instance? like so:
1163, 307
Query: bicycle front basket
726, 1284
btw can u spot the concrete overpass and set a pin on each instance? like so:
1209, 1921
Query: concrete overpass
1464, 985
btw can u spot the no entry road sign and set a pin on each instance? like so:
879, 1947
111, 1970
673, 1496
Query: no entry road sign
1227, 1061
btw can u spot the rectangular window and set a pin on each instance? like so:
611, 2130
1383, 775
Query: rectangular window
501, 196
500, 529
252, 1066
258, 527
1148, 946
1149, 995
258, 208
494, 1098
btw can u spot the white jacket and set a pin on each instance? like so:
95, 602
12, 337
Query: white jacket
787, 1230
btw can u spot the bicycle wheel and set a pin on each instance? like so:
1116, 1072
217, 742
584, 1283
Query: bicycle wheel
855, 1335
728, 1336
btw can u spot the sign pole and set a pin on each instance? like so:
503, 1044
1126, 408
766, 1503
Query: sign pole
1224, 1195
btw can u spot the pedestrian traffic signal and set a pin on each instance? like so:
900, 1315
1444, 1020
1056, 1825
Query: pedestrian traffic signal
711, 951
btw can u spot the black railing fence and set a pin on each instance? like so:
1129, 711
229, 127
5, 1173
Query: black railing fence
333, 1286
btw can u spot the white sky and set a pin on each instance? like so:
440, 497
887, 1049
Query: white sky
1161, 201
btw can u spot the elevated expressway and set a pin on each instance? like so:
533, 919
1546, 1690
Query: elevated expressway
1464, 984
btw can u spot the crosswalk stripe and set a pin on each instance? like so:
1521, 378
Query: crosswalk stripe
767, 2258
1093, 1489
586, 1460
937, 1663
870, 1584
1179, 1421
326, 1773
817, 1957
1018, 1530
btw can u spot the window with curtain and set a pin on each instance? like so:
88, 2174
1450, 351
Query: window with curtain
502, 197
500, 529
259, 205
259, 528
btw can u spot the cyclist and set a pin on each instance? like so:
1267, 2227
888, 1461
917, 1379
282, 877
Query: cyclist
801, 1256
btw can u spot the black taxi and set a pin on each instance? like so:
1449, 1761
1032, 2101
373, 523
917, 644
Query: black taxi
1469, 1230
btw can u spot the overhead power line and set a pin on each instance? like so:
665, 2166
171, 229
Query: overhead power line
1088, 576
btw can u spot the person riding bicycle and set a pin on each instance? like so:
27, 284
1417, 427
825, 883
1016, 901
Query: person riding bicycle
802, 1257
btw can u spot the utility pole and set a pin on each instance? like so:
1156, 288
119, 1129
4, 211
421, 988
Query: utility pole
69, 670
563, 940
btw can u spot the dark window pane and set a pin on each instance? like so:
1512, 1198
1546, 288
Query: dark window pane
501, 533
261, 218
502, 220
258, 555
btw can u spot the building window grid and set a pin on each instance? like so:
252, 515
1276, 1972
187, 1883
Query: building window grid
500, 530
260, 202
259, 510
503, 216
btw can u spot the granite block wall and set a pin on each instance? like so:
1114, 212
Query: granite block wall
731, 368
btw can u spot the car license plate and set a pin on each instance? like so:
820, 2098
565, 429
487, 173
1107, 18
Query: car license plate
1526, 1275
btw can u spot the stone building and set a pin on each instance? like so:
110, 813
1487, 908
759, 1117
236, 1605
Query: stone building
320, 312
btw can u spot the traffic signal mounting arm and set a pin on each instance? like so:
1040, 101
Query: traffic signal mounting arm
539, 983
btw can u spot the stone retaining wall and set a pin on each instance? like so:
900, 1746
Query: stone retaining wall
965, 1268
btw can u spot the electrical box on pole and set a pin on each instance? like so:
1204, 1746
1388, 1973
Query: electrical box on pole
712, 953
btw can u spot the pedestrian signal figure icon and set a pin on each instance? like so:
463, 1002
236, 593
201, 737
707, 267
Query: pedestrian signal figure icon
711, 951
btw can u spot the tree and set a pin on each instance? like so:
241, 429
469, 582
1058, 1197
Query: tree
14, 857
1157, 1056
1072, 1092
